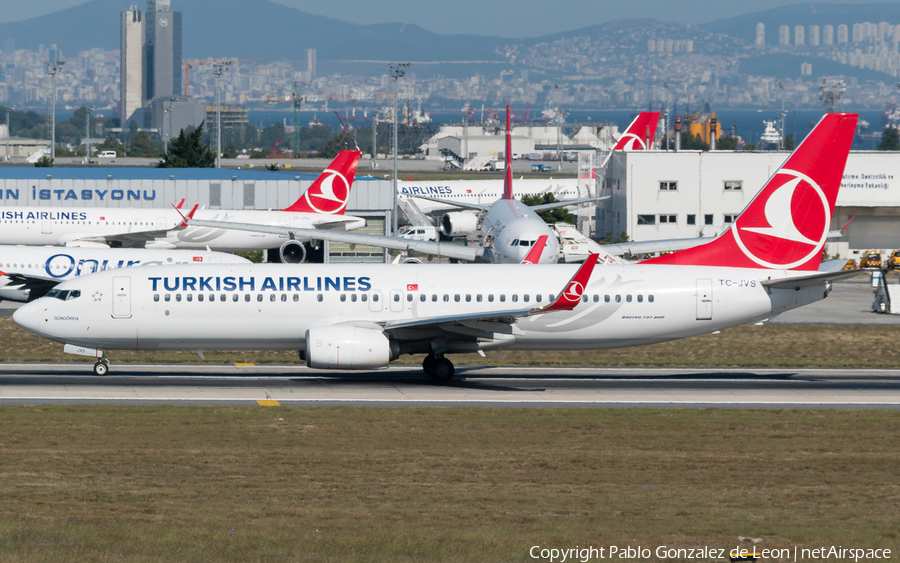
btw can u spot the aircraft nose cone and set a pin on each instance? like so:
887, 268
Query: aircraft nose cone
28, 316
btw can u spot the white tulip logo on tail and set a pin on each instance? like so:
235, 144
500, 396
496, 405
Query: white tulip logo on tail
574, 291
793, 226
332, 193
632, 143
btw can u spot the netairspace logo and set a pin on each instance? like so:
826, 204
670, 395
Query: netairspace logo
795, 553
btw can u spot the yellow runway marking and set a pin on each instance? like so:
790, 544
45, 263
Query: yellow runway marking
269, 403
244, 364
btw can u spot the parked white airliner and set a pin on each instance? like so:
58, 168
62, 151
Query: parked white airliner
29, 272
322, 206
638, 136
507, 228
352, 316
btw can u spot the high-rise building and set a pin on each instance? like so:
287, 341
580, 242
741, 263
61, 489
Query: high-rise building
784, 35
799, 35
760, 34
131, 93
842, 34
828, 35
311, 63
162, 71
814, 36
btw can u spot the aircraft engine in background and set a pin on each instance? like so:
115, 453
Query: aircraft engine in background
459, 224
292, 252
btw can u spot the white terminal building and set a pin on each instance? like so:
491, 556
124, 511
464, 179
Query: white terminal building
671, 195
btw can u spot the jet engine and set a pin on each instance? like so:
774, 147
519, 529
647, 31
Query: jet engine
459, 224
346, 346
292, 252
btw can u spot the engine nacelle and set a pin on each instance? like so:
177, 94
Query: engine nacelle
346, 346
292, 252
459, 224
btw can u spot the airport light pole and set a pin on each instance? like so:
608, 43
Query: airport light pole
7, 134
53, 68
666, 86
396, 73
87, 140
219, 70
165, 131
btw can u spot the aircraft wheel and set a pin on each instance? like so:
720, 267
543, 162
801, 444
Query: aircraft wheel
101, 368
443, 370
428, 365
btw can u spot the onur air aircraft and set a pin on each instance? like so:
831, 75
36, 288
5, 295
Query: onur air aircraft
508, 228
360, 317
322, 206
29, 272
433, 197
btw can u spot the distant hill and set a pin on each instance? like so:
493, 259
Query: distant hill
783, 65
258, 29
744, 27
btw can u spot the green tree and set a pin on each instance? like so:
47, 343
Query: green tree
558, 215
789, 142
44, 162
693, 142
274, 135
337, 143
142, 146
726, 143
187, 152
111, 144
890, 140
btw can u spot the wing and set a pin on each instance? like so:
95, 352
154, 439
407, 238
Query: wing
473, 206
558, 204
454, 251
650, 246
569, 297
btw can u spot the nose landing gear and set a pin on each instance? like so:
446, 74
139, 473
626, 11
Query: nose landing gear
438, 368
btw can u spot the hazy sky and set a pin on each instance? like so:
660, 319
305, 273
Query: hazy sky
503, 18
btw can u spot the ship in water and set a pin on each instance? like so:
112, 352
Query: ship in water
770, 135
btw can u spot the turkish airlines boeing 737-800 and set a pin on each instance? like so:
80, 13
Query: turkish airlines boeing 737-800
351, 316
322, 206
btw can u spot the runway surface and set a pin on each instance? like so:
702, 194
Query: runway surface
131, 384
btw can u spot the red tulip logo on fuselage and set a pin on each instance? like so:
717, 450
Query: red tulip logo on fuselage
790, 228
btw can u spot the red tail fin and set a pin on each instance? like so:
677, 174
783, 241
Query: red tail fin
639, 135
534, 255
786, 224
507, 176
331, 190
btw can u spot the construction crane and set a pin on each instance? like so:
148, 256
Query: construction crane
186, 65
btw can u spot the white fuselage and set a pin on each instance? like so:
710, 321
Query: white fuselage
483, 192
66, 226
271, 306
511, 228
55, 264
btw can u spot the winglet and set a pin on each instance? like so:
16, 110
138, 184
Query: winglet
180, 203
184, 220
534, 255
571, 296
331, 190
507, 175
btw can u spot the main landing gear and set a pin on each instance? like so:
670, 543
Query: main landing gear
101, 367
438, 368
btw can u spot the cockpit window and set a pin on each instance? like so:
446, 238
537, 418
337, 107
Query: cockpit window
53, 293
74, 294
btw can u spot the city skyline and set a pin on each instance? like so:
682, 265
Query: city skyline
500, 18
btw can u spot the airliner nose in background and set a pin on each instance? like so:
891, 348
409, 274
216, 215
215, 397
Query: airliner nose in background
350, 316
322, 206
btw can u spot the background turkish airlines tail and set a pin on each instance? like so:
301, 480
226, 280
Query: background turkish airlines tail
787, 223
507, 175
330, 191
640, 134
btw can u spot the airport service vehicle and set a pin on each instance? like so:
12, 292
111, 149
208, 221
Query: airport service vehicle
541, 168
418, 232
508, 229
870, 259
893, 261
322, 206
29, 272
107, 154
360, 317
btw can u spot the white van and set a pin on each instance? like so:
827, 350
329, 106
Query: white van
107, 154
418, 233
